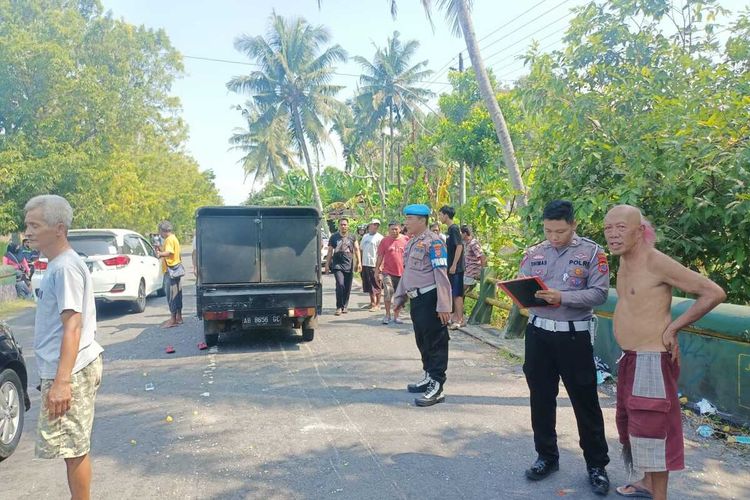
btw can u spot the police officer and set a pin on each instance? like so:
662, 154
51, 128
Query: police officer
558, 341
425, 282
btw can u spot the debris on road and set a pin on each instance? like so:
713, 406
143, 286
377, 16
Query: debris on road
169, 349
705, 407
705, 431
149, 387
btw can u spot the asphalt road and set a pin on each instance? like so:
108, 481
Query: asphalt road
266, 416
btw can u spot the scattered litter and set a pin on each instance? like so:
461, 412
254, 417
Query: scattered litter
206, 394
683, 400
602, 376
705, 407
169, 419
688, 413
202, 346
149, 386
739, 439
169, 349
705, 431
601, 365
133, 442
145, 374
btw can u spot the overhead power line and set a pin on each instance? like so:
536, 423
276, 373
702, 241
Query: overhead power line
521, 40
444, 67
245, 63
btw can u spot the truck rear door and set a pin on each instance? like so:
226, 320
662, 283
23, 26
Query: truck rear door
229, 248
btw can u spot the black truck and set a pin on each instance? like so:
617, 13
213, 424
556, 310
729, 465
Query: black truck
258, 267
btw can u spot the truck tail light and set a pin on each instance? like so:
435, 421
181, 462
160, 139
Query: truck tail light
211, 315
118, 261
301, 312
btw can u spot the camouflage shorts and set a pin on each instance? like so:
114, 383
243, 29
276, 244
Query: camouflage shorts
69, 436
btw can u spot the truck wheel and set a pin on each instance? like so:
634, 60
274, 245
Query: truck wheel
211, 332
308, 334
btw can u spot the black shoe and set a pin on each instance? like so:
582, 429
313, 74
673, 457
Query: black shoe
599, 480
420, 386
432, 396
541, 469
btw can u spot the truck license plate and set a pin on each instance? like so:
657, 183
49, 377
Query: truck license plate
261, 320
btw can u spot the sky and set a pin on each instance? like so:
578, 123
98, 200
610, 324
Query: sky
202, 30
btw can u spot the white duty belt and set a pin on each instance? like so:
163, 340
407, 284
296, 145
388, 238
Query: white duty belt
420, 291
559, 326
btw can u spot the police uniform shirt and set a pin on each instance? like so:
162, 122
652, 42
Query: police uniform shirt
579, 271
425, 264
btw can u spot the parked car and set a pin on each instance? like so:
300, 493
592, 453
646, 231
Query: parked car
258, 267
123, 265
13, 392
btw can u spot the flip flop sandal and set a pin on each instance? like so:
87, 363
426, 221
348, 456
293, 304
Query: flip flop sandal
638, 492
202, 346
169, 349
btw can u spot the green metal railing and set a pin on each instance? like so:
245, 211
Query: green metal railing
715, 350
486, 298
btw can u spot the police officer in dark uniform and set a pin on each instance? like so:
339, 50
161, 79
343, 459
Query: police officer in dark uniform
559, 341
425, 282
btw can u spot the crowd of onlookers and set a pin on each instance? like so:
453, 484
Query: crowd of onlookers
378, 256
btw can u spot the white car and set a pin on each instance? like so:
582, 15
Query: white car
122, 263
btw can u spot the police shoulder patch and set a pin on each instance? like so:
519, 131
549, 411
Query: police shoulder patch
438, 254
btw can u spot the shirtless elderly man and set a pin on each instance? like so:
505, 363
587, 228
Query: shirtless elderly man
648, 411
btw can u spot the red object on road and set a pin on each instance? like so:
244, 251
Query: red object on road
169, 349
202, 346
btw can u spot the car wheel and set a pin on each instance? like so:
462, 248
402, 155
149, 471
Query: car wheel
308, 334
139, 305
162, 292
11, 412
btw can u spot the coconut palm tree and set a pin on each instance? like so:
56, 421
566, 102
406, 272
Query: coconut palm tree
292, 83
389, 84
268, 147
458, 14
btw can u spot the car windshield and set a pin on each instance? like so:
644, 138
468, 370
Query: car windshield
90, 244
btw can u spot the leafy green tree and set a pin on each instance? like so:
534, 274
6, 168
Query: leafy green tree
629, 113
86, 112
292, 82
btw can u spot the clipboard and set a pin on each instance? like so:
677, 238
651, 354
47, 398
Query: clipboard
522, 291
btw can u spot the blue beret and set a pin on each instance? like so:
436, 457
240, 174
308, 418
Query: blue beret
417, 209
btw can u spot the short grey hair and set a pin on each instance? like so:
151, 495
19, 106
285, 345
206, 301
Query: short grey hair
166, 226
55, 209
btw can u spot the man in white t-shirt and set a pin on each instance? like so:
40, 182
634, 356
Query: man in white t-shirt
69, 359
369, 246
